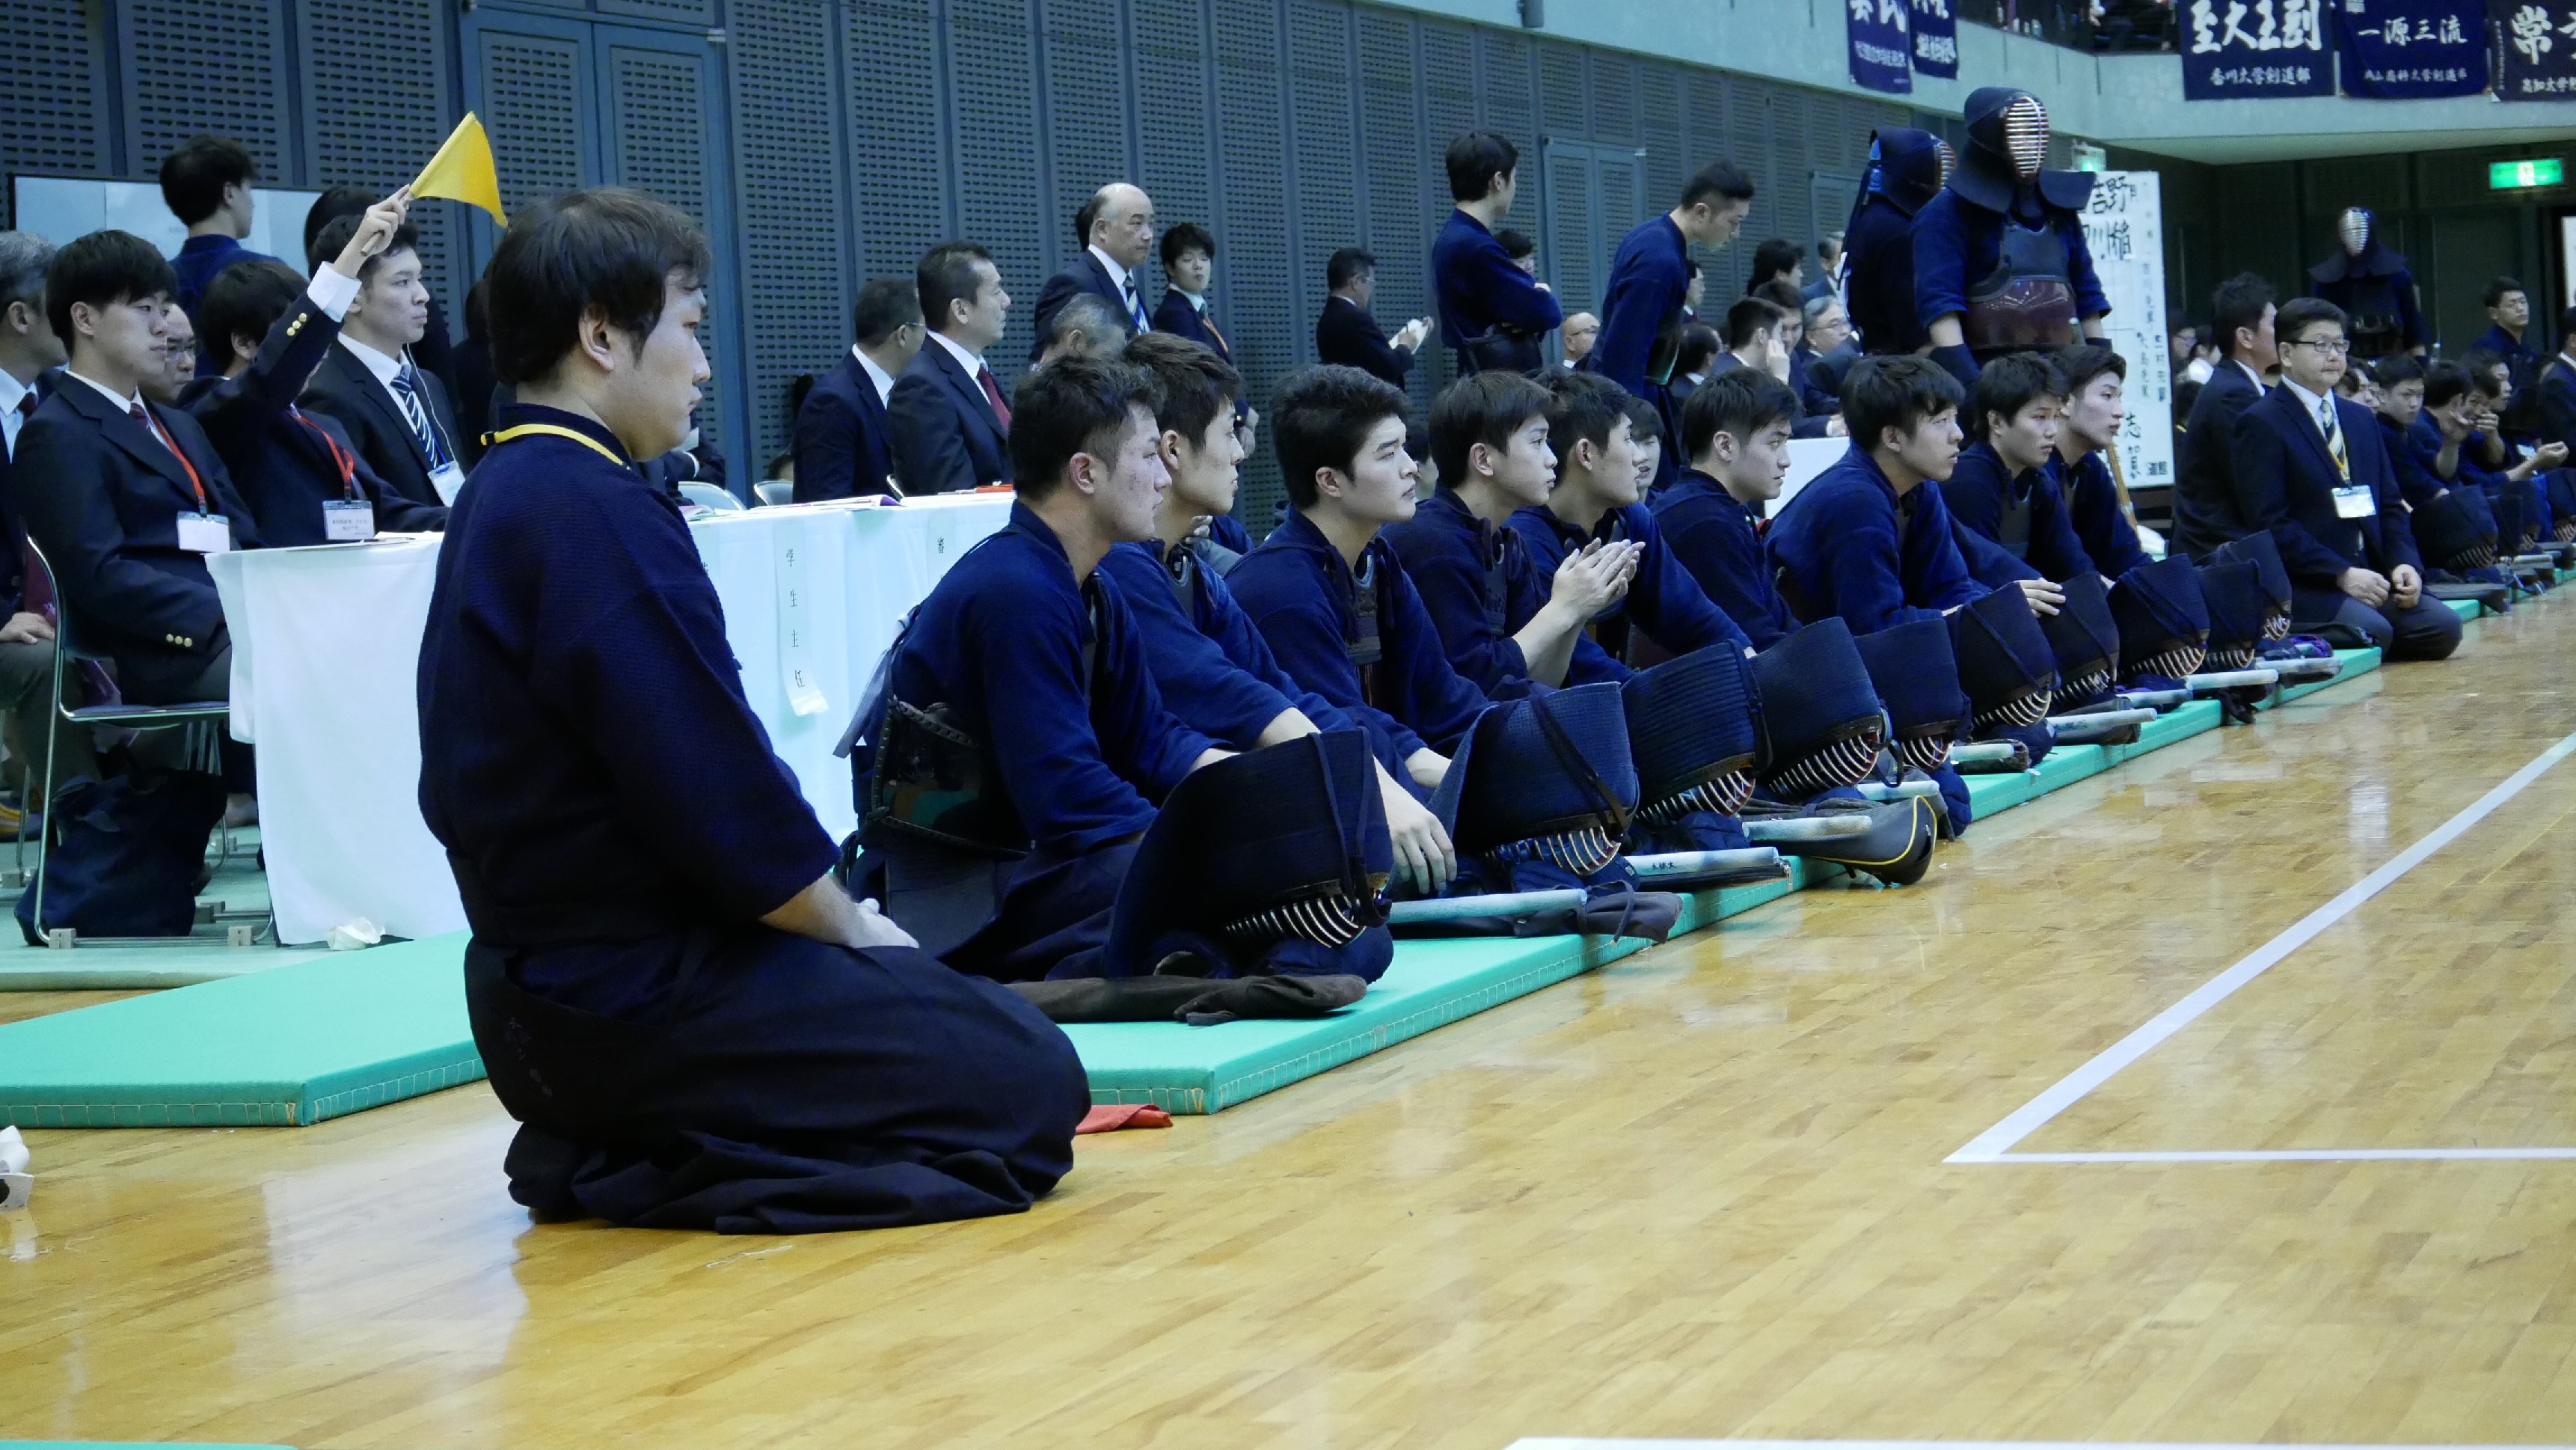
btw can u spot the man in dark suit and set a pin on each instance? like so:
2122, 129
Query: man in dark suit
1345, 335
2554, 400
2313, 468
1116, 230
1189, 264
842, 448
28, 351
947, 418
303, 480
395, 412
2207, 507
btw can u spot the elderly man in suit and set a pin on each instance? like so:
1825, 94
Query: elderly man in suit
843, 447
947, 417
1116, 229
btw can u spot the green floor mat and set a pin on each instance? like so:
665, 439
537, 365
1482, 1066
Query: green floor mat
2464, 608
293, 1045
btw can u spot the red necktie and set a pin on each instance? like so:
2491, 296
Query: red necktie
993, 395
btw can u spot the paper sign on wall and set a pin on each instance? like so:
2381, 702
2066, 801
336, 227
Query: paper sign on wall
2124, 224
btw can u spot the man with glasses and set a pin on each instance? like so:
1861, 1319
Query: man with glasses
1828, 331
2313, 468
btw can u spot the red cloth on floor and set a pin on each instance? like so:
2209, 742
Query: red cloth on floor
1123, 1115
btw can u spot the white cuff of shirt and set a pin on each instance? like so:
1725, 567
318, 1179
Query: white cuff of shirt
332, 292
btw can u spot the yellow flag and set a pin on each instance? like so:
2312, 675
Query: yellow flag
462, 170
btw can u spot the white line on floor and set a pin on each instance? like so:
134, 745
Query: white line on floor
1991, 1145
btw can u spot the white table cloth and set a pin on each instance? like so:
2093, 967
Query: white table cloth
326, 646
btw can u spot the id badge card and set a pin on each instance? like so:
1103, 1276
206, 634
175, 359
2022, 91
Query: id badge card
348, 520
205, 533
449, 480
2355, 501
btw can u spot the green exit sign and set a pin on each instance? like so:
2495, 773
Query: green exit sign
2518, 175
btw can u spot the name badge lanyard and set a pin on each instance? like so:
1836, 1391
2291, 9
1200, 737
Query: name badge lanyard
585, 440
340, 457
172, 444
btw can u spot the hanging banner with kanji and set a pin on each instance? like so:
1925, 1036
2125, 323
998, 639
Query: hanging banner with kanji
1936, 39
2535, 50
2124, 225
1882, 49
2412, 50
2235, 50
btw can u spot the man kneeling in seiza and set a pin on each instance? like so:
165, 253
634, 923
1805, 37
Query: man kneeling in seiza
694, 1024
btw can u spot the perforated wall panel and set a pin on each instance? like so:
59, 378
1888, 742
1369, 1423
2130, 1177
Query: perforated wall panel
1664, 131
691, 12
1614, 98
1272, 331
1325, 211
1449, 91
991, 57
193, 66
659, 117
531, 86
1564, 107
375, 82
53, 89
1406, 188
1506, 87
1566, 255
897, 138
796, 298
1087, 82
1792, 213
1176, 159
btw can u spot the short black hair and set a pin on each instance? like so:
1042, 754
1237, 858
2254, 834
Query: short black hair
1698, 348
2238, 305
2397, 367
327, 208
1345, 266
1072, 405
885, 305
1773, 259
1475, 159
1319, 419
1895, 392
1740, 402
2011, 383
2483, 364
1516, 243
2301, 313
2497, 290
2445, 381
1780, 294
609, 249
946, 275
1091, 315
1721, 179
194, 175
1487, 408
1185, 238
1083, 217
245, 300
2080, 364
1197, 386
1582, 407
1747, 318
336, 233
1645, 422
104, 269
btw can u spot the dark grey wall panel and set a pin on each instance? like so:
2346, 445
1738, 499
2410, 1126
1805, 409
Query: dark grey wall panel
193, 66
376, 73
531, 108
1087, 81
661, 117
991, 55
1260, 278
53, 89
796, 295
1406, 191
895, 102
1324, 214
1176, 158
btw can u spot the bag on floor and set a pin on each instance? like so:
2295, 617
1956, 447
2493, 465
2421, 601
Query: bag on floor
127, 855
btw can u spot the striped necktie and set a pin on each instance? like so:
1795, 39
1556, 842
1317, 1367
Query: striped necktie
406, 386
2334, 436
1135, 308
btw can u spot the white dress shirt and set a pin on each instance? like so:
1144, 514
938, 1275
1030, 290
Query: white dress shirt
123, 404
11, 390
972, 362
1123, 280
883, 380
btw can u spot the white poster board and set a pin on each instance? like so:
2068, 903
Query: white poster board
2124, 224
59, 208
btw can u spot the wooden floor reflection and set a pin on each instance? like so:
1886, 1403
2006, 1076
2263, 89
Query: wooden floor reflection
1699, 1193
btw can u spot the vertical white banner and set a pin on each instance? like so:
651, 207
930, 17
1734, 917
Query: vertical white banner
795, 633
2124, 224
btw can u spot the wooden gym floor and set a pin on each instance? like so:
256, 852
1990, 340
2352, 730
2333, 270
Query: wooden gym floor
1700, 1193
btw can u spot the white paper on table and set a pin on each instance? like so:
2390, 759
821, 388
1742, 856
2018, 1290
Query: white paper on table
795, 633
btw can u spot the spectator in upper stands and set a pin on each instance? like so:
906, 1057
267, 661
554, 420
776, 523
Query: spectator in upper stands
29, 348
2002, 489
2312, 470
432, 352
1582, 332
1828, 332
2554, 411
2095, 380
946, 416
1735, 436
1116, 232
1189, 264
298, 472
843, 447
395, 412
1641, 309
1776, 259
1518, 246
1085, 326
2207, 509
1347, 336
1700, 349
1829, 269
178, 358
1493, 310
206, 183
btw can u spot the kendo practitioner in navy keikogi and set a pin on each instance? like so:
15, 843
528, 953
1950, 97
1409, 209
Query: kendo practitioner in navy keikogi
1907, 168
2371, 283
2011, 517
1735, 433
693, 1023
2000, 260
1503, 623
2096, 378
1492, 311
1646, 303
1598, 498
1017, 745
1215, 671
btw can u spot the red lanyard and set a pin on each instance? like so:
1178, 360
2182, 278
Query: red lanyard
172, 444
339, 455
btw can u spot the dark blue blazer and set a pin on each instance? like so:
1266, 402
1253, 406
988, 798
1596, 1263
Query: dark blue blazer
1348, 336
945, 437
1719, 541
2207, 509
842, 444
1977, 491
2554, 414
102, 497
281, 464
13, 527
343, 388
1175, 315
1085, 275
2289, 480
